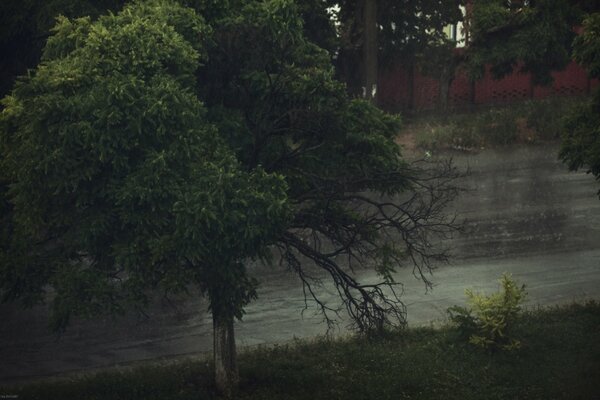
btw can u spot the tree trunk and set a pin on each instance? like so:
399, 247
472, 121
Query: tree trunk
444, 94
225, 357
370, 49
446, 78
410, 88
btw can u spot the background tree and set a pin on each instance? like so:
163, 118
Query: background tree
540, 37
130, 169
407, 30
441, 60
534, 36
319, 20
581, 139
370, 46
25, 26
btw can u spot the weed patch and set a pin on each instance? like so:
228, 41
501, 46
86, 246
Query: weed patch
527, 122
559, 359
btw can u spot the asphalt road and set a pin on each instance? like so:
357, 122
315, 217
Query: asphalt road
524, 213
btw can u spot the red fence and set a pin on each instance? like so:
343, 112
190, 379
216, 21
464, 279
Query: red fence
395, 94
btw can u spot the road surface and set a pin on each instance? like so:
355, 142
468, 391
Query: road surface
524, 213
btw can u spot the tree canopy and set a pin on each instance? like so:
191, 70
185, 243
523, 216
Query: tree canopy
114, 169
533, 36
25, 25
407, 29
581, 139
336, 154
162, 147
540, 37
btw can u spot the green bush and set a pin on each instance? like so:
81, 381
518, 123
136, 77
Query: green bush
432, 136
465, 135
489, 321
497, 126
546, 117
525, 122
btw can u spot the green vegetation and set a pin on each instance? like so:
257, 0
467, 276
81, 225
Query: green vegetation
161, 148
534, 36
409, 31
490, 320
559, 359
526, 122
539, 37
581, 139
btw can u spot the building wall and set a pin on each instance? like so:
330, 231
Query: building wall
394, 89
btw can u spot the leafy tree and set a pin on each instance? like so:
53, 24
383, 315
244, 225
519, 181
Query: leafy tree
581, 140
25, 26
118, 183
337, 155
319, 24
539, 36
407, 31
161, 149
534, 36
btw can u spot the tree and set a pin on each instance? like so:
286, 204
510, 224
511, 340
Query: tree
161, 149
581, 139
441, 61
370, 49
25, 25
338, 157
407, 30
117, 181
534, 36
318, 18
540, 37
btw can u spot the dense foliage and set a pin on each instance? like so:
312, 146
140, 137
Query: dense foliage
162, 147
581, 140
533, 38
408, 28
25, 26
117, 181
409, 31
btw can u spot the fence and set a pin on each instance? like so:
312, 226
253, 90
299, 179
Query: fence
397, 93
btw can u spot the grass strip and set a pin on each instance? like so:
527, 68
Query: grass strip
560, 359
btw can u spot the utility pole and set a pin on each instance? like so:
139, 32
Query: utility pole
370, 49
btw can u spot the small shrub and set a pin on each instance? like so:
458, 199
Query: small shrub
489, 321
545, 117
433, 136
465, 135
464, 321
498, 126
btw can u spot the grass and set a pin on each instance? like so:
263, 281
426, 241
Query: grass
560, 359
526, 122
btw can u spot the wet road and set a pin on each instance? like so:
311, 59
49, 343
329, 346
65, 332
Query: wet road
524, 212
